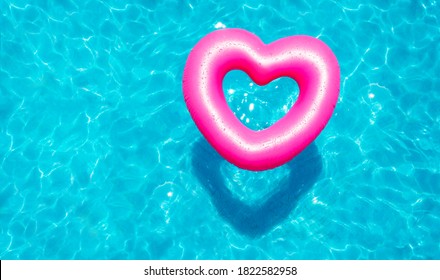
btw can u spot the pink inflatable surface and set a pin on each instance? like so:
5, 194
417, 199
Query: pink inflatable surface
307, 60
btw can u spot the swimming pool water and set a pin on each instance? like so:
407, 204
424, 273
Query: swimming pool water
99, 158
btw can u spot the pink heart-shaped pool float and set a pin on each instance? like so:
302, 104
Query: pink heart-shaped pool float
305, 59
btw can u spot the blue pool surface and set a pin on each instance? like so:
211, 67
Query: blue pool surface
100, 159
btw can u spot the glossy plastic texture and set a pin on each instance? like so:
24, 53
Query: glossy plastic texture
305, 59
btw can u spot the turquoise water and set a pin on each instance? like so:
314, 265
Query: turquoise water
99, 158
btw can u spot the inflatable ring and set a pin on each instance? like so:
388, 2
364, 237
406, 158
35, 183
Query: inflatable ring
305, 59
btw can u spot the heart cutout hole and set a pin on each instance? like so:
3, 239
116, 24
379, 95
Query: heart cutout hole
259, 107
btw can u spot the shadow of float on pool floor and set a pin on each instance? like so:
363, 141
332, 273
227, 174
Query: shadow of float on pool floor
260, 217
